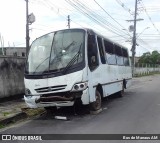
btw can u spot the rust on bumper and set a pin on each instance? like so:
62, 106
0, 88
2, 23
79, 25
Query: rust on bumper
61, 96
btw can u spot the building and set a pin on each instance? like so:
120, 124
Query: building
14, 51
136, 59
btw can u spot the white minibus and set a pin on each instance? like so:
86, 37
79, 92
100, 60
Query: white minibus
72, 65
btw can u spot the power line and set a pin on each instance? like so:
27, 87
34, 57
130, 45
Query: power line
152, 8
149, 17
84, 11
122, 4
125, 8
70, 19
148, 49
108, 13
93, 16
150, 39
50, 5
142, 41
110, 16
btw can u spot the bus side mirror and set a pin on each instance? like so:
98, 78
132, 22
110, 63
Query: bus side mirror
93, 60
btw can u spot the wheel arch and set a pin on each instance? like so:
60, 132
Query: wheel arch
100, 89
124, 83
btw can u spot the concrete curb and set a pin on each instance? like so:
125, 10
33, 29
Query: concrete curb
14, 118
26, 113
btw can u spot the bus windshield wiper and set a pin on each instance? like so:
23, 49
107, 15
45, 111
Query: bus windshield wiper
60, 54
40, 65
72, 43
76, 56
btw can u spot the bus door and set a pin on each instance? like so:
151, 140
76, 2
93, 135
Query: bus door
93, 63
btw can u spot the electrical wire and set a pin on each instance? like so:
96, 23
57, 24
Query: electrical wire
110, 15
52, 7
149, 17
98, 19
125, 8
48, 4
93, 16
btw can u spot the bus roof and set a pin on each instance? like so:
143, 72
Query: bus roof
91, 31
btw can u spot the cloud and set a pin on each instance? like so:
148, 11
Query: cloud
52, 15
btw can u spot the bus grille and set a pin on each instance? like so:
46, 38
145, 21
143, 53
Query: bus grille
51, 88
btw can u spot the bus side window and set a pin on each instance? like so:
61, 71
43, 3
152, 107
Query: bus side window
92, 53
125, 57
101, 51
119, 56
109, 48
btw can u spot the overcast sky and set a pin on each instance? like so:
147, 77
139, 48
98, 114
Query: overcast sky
108, 18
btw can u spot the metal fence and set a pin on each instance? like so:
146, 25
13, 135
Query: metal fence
144, 69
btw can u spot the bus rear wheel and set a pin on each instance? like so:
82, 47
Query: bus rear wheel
96, 105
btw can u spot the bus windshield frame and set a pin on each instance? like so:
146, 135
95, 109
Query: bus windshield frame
53, 52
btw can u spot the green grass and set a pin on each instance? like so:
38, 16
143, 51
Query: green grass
5, 113
1, 126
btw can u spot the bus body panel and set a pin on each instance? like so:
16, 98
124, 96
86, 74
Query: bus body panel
69, 80
110, 77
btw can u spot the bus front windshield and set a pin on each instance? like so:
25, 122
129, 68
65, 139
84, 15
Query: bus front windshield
56, 51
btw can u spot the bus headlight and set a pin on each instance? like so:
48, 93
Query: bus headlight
79, 86
27, 92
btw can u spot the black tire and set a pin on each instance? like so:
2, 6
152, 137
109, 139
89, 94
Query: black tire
50, 109
96, 105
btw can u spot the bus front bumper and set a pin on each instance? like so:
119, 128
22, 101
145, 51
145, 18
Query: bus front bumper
35, 101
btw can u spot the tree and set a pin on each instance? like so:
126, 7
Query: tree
150, 58
145, 58
155, 57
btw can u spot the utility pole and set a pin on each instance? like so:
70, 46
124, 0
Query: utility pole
134, 38
30, 18
2, 44
69, 20
27, 29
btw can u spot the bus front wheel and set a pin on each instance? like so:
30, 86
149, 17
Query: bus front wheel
96, 105
50, 109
